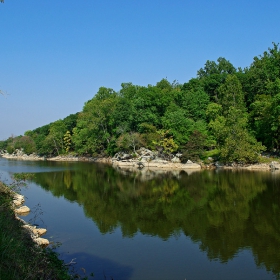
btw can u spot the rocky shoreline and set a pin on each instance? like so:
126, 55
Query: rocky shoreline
145, 159
20, 210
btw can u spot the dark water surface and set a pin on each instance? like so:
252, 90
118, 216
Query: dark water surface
173, 225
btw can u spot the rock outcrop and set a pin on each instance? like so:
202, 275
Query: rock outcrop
19, 154
22, 211
144, 158
34, 232
18, 199
274, 165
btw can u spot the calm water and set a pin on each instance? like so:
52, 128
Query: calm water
125, 225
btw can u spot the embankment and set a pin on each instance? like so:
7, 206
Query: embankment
147, 159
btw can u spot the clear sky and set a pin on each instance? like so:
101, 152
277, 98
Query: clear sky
55, 54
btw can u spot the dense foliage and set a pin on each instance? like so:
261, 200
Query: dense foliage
235, 112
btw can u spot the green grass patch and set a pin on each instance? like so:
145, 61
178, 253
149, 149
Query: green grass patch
20, 258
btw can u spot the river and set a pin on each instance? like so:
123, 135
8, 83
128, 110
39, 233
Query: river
217, 224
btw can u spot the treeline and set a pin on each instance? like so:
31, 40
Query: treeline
232, 113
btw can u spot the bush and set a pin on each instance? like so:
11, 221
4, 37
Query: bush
26, 143
194, 149
10, 149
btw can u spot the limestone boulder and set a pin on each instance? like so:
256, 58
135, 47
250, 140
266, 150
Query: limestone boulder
22, 211
40, 231
175, 160
18, 199
36, 232
42, 242
274, 165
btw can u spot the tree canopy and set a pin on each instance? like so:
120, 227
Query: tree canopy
233, 111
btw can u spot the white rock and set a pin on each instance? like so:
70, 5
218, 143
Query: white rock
23, 210
18, 199
176, 160
275, 165
40, 231
36, 231
42, 242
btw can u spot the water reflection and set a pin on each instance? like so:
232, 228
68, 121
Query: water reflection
224, 212
103, 268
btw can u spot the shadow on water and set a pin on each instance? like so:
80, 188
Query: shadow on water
101, 267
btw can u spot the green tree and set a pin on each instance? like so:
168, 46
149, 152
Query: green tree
26, 143
176, 122
262, 77
195, 102
230, 129
55, 137
195, 147
67, 141
166, 145
238, 145
128, 141
149, 135
275, 121
213, 75
94, 130
230, 95
260, 119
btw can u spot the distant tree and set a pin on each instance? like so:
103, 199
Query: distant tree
213, 75
230, 126
67, 141
164, 85
195, 147
260, 119
230, 94
177, 123
70, 121
211, 67
239, 145
149, 135
213, 110
195, 102
166, 145
104, 93
26, 143
132, 140
275, 121
94, 131
56, 136
263, 73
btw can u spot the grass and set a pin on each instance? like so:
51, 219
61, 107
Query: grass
20, 258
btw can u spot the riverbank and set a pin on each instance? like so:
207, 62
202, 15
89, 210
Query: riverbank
146, 159
21, 257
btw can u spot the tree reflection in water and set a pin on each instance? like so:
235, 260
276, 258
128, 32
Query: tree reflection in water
224, 211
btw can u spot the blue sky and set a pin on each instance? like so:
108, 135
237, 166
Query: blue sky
55, 55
